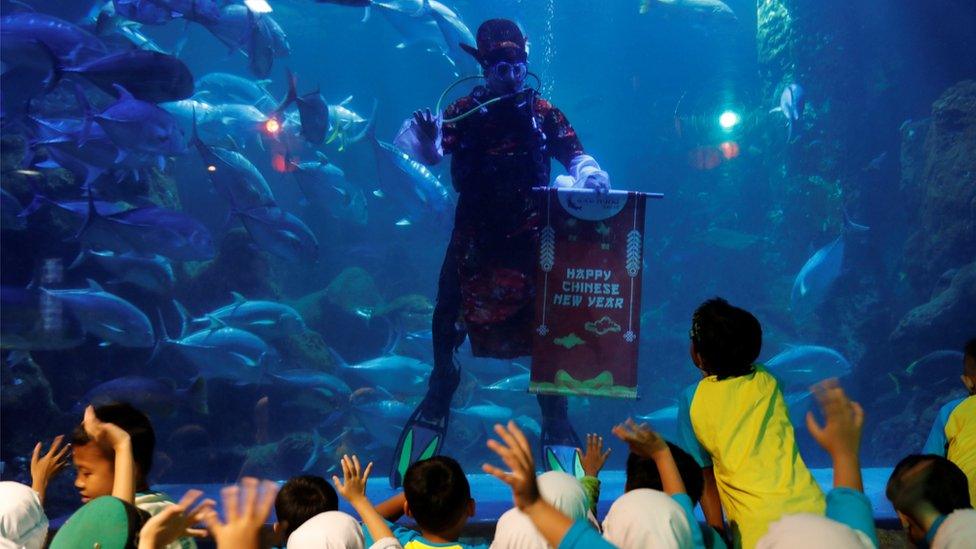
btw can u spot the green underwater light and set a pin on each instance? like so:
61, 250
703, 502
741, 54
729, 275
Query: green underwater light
729, 120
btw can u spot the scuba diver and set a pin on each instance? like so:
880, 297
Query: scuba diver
502, 137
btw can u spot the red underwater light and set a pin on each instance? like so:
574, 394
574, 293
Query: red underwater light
730, 149
272, 126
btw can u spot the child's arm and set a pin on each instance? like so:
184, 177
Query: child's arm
841, 435
353, 488
710, 503
646, 443
43, 469
841, 438
114, 437
392, 508
553, 525
593, 460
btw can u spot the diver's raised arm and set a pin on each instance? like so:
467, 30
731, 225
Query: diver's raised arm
420, 137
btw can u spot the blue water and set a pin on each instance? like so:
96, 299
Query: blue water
744, 211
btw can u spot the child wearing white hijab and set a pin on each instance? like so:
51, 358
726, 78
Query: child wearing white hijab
23, 524
649, 519
807, 531
558, 529
563, 491
958, 531
328, 530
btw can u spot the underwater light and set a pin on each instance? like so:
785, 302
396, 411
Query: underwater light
258, 6
272, 126
211, 168
729, 120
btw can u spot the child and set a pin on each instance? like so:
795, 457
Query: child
734, 422
925, 491
643, 516
300, 499
954, 434
438, 498
643, 473
559, 530
849, 522
97, 462
563, 491
22, 520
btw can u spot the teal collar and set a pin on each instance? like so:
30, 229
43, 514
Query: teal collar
930, 535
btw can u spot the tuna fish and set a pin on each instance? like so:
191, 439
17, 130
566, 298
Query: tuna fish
158, 398
713, 9
222, 87
518, 383
146, 231
68, 42
106, 316
280, 234
234, 176
153, 272
312, 111
401, 374
329, 384
801, 366
325, 187
383, 419
224, 352
146, 75
259, 37
266, 319
146, 12
32, 322
136, 126
454, 33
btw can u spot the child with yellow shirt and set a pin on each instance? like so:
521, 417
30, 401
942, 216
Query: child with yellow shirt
735, 423
954, 434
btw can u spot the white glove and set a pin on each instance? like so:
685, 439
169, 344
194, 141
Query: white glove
584, 173
417, 144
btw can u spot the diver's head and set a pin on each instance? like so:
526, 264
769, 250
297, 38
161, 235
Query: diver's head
502, 54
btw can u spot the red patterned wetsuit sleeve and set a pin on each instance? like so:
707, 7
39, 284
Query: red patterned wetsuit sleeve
562, 140
449, 131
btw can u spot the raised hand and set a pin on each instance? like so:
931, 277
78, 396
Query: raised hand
44, 468
642, 440
594, 457
353, 485
175, 522
844, 418
427, 123
104, 434
246, 507
517, 455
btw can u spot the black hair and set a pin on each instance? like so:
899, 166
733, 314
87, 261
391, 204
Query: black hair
642, 473
437, 492
970, 349
727, 338
931, 479
301, 498
133, 421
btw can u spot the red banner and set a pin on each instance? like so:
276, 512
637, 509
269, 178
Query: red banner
588, 289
